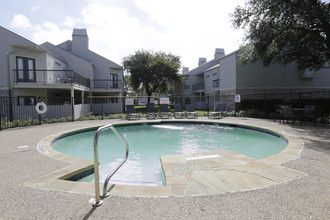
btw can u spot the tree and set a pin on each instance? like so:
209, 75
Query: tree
285, 31
152, 72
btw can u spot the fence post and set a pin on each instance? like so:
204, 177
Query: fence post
72, 107
0, 120
102, 110
265, 105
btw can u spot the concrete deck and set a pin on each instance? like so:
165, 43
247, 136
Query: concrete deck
228, 186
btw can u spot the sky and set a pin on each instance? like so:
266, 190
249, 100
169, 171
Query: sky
118, 28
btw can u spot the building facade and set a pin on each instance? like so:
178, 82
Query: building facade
219, 80
106, 77
64, 77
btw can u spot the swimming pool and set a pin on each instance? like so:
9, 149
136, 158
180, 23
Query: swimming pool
149, 141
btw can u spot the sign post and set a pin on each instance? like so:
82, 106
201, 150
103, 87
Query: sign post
143, 101
237, 100
164, 100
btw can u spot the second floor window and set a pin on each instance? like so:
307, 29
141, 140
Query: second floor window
26, 71
113, 80
216, 83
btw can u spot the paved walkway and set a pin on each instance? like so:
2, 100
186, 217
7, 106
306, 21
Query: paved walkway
302, 198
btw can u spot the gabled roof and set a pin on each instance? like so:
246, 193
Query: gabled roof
18, 36
201, 68
208, 65
51, 47
67, 46
31, 45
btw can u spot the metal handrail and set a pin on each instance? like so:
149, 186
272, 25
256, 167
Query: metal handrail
98, 200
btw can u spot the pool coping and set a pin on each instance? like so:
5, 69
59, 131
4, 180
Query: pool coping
211, 173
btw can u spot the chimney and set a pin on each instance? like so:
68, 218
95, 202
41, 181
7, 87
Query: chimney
219, 52
185, 69
201, 61
79, 39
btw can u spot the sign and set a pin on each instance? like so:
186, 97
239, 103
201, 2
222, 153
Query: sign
164, 100
129, 101
143, 101
237, 98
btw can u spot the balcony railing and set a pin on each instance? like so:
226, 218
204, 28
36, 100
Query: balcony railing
198, 86
107, 84
47, 77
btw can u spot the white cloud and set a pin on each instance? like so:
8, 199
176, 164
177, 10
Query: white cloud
50, 32
69, 22
194, 28
187, 28
112, 31
21, 22
34, 8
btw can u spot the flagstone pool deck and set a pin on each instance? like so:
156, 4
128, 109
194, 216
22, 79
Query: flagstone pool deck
293, 184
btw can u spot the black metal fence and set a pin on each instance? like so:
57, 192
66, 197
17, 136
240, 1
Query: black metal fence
21, 111
266, 103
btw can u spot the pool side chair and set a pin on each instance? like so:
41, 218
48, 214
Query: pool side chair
288, 114
178, 111
151, 111
191, 112
164, 112
313, 114
219, 112
131, 113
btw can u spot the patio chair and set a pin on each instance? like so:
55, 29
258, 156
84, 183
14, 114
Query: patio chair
178, 111
219, 112
288, 114
191, 112
312, 114
164, 112
278, 113
131, 113
151, 111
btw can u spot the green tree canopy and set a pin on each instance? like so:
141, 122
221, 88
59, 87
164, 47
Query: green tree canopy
285, 31
152, 72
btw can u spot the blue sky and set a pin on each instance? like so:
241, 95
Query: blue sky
118, 28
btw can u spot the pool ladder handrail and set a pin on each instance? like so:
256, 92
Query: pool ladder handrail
105, 194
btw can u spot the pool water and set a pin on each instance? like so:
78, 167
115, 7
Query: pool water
149, 142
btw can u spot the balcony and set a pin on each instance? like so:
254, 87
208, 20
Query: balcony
50, 77
106, 84
199, 87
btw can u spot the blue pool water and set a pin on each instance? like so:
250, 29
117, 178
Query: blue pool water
151, 141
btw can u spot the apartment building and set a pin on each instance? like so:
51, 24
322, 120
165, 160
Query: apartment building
68, 73
220, 79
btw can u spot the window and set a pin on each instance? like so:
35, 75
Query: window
187, 101
113, 100
26, 71
186, 87
26, 101
216, 83
113, 80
